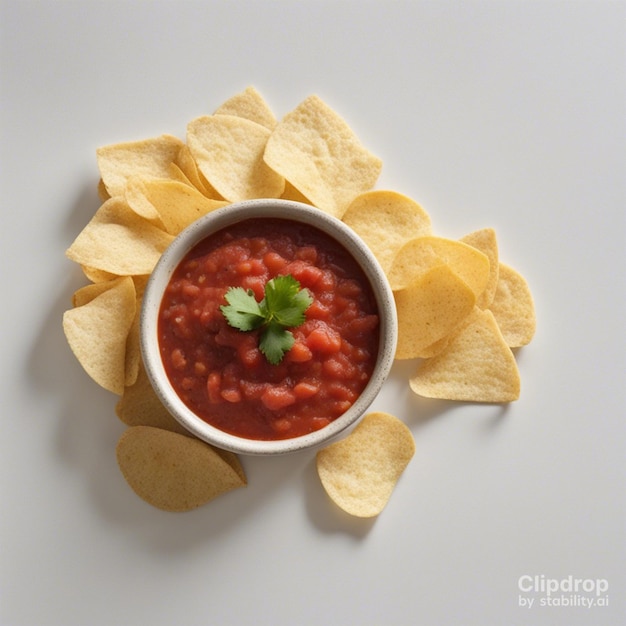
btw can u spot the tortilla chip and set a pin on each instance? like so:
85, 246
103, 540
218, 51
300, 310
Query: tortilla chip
176, 204
140, 406
229, 152
423, 253
250, 105
87, 293
386, 220
149, 158
97, 276
429, 309
485, 241
360, 472
514, 308
103, 194
97, 332
119, 241
133, 342
475, 366
136, 198
185, 162
291, 193
317, 152
174, 472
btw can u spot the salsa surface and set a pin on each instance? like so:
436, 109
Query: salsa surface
219, 371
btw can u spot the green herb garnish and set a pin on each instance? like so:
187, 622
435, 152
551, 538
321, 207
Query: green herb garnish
282, 307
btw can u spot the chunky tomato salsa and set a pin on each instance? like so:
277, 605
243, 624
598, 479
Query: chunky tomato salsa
219, 372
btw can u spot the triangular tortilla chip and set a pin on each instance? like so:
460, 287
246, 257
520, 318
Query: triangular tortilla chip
229, 152
187, 165
250, 105
147, 158
176, 204
422, 253
318, 153
119, 241
98, 330
475, 366
429, 310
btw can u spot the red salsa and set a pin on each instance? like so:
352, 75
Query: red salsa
219, 371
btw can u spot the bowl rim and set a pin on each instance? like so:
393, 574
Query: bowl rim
222, 218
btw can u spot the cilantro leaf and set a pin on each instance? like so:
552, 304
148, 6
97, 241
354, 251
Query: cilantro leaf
243, 311
285, 302
279, 291
282, 307
275, 341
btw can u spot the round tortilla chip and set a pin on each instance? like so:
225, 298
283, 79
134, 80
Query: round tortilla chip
174, 472
97, 333
429, 310
317, 152
360, 472
386, 220
475, 366
514, 308
229, 152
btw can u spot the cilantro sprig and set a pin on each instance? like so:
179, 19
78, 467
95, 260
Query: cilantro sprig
282, 307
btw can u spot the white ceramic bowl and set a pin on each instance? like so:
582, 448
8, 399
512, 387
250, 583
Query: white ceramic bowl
216, 221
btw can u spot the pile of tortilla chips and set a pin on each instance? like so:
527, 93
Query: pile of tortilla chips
460, 310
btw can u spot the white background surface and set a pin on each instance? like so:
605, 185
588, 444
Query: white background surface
503, 114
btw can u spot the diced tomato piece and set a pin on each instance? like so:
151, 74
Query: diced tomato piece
190, 290
213, 387
231, 395
349, 289
305, 390
319, 422
324, 339
340, 391
282, 426
274, 262
276, 398
179, 362
318, 310
243, 268
363, 324
249, 355
308, 254
299, 353
252, 390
